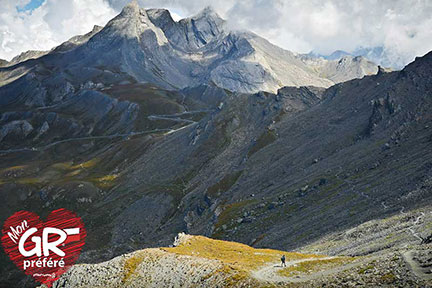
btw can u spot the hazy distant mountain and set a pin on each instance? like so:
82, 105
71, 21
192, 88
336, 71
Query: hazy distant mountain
336, 55
343, 69
375, 54
379, 55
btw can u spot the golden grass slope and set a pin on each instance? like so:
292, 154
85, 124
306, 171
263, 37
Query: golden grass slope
195, 261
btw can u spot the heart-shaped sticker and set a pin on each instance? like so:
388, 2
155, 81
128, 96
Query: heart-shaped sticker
44, 250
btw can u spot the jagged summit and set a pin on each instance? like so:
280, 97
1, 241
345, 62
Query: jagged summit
134, 23
149, 46
131, 7
131, 11
208, 12
156, 15
202, 28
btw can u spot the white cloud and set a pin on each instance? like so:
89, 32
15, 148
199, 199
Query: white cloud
49, 25
402, 27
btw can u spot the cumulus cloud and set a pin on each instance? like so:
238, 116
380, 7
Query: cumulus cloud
402, 28
54, 22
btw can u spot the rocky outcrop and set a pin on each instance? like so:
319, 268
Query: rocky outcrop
18, 129
3, 63
28, 55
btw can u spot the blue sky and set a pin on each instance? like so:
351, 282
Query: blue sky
33, 4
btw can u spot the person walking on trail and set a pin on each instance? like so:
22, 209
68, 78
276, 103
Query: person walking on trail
283, 261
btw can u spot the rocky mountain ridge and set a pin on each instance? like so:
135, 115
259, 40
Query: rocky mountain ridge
151, 47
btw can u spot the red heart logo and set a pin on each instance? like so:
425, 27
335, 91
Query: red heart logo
44, 250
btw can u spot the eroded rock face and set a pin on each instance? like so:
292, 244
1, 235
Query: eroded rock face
18, 129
